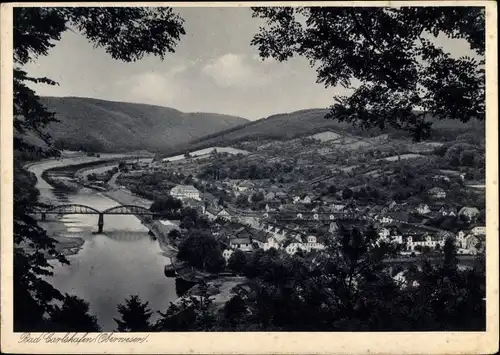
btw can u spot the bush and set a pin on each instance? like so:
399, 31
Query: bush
237, 261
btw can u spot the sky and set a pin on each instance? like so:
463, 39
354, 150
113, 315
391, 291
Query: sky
214, 69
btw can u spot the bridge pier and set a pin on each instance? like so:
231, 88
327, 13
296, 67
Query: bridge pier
44, 216
100, 223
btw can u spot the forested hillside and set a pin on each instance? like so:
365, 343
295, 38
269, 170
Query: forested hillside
120, 126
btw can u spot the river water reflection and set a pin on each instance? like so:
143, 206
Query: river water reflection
109, 267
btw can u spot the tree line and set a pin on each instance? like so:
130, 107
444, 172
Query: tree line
347, 288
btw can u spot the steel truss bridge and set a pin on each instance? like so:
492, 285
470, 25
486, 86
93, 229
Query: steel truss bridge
83, 209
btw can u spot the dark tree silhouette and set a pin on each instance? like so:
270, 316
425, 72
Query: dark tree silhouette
166, 204
237, 261
391, 53
72, 316
201, 250
347, 193
135, 315
192, 313
234, 310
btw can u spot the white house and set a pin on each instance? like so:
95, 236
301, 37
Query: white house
423, 209
384, 219
272, 206
185, 191
441, 178
292, 248
333, 227
244, 186
472, 243
271, 242
224, 215
270, 196
306, 199
447, 211
467, 242
469, 212
460, 239
478, 230
243, 244
226, 254
308, 246
397, 238
384, 233
437, 192
402, 281
426, 241
337, 207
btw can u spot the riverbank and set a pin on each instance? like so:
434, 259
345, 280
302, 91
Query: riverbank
64, 245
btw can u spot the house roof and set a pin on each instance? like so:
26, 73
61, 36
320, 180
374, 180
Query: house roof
239, 241
409, 229
192, 202
400, 216
208, 196
212, 211
261, 236
468, 209
244, 234
240, 229
184, 189
436, 189
418, 237
289, 207
286, 215
246, 183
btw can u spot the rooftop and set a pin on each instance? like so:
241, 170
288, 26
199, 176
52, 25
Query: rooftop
184, 188
240, 241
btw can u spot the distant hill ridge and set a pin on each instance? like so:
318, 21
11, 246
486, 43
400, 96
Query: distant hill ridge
111, 126
310, 121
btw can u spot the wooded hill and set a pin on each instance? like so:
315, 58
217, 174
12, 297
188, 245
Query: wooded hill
108, 126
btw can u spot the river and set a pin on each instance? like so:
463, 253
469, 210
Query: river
109, 267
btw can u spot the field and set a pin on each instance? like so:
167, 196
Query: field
403, 156
326, 136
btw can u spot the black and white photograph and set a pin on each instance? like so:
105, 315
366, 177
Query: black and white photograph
248, 168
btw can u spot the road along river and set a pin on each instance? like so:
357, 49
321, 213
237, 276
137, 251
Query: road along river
108, 267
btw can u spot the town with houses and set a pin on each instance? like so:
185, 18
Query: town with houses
251, 214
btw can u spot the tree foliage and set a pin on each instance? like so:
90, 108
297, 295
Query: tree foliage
192, 313
166, 204
201, 250
403, 75
237, 261
348, 288
72, 316
135, 315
